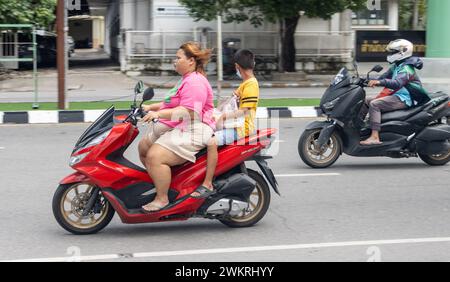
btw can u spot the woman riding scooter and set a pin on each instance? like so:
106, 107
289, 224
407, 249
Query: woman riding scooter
403, 88
177, 138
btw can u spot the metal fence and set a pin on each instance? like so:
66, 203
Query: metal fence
10, 53
164, 44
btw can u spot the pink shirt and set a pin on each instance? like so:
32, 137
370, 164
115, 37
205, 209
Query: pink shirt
195, 93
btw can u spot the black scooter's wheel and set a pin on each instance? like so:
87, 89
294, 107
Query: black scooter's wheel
68, 206
316, 157
436, 160
259, 204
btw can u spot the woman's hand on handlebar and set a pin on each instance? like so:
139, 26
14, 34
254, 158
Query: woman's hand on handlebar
150, 116
373, 83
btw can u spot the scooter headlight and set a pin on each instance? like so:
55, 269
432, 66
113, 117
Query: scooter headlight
76, 159
330, 105
97, 140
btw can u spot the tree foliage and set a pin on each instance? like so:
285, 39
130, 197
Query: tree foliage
284, 12
38, 12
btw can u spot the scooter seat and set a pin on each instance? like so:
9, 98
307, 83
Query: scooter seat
438, 95
436, 99
400, 115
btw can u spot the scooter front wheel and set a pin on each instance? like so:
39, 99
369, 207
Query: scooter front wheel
319, 157
68, 208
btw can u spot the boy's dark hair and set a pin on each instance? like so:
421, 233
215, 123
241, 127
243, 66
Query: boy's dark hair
245, 59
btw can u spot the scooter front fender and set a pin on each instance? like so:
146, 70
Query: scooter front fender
326, 130
318, 125
75, 178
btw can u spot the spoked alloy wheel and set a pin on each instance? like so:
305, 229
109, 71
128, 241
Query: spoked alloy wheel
314, 156
69, 204
437, 159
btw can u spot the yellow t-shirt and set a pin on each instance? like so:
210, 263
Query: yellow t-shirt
248, 98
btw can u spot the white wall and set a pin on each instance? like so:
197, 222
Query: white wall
175, 17
393, 7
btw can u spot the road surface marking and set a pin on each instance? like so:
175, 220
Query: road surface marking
307, 174
241, 250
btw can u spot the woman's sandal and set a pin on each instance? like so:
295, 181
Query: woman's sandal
155, 208
204, 192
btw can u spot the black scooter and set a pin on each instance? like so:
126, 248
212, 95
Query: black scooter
423, 130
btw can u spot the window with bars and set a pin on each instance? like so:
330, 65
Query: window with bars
372, 17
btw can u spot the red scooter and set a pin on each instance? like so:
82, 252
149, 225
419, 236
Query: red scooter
105, 182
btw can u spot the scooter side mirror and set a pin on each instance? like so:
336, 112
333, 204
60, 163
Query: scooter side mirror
148, 94
377, 68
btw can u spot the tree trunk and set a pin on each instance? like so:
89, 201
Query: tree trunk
287, 32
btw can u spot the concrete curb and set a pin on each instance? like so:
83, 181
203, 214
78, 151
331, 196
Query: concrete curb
50, 117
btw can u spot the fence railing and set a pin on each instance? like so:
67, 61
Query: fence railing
164, 44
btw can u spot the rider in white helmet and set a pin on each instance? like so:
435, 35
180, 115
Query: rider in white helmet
403, 88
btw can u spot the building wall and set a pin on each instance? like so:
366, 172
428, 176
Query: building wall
112, 30
168, 16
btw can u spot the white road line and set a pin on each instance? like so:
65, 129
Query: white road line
2, 148
242, 250
307, 174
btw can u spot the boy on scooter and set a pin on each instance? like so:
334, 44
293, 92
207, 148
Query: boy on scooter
403, 88
248, 96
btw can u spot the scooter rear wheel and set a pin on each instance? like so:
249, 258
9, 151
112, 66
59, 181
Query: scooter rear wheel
436, 160
68, 206
315, 157
259, 204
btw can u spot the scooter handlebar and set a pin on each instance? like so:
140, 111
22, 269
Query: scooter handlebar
143, 113
361, 81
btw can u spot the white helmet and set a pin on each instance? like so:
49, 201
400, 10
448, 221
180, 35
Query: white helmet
399, 50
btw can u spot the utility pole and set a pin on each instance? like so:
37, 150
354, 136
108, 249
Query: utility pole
219, 56
61, 30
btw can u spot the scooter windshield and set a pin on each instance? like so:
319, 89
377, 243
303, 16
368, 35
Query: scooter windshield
341, 76
101, 124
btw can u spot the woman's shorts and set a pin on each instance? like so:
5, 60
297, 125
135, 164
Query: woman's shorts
156, 130
188, 142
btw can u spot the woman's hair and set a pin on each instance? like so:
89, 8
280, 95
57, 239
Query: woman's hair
201, 56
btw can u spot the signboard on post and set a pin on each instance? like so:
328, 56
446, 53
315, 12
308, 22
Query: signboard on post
371, 45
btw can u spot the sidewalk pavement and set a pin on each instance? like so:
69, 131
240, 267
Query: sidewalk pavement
104, 78
108, 83
166, 82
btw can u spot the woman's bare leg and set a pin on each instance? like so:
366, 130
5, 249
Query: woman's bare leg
159, 162
143, 148
211, 163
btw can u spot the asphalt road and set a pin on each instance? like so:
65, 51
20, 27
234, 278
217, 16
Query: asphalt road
361, 209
